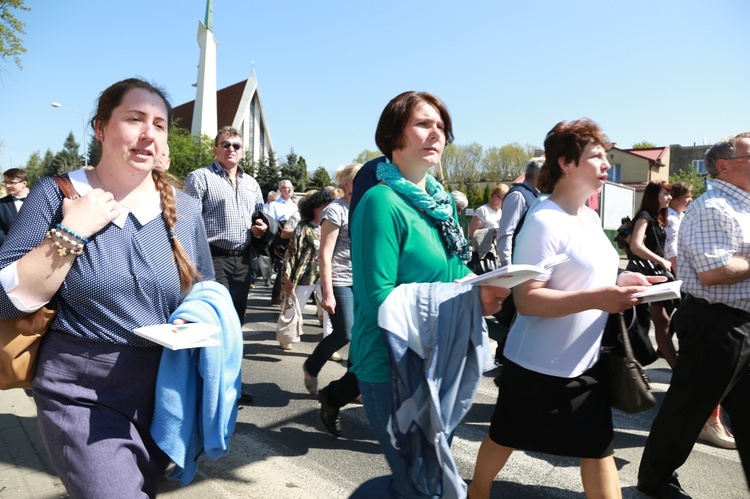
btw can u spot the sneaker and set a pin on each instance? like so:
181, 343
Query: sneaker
288, 346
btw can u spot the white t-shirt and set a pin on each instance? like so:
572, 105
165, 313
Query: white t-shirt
562, 346
489, 216
673, 227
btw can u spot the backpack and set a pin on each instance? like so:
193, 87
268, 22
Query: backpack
623, 235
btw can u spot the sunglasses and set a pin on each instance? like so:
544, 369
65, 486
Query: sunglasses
226, 145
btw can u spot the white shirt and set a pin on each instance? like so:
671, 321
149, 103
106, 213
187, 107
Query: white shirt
562, 346
489, 216
281, 209
673, 227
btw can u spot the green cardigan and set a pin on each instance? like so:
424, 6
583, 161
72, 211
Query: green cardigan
392, 243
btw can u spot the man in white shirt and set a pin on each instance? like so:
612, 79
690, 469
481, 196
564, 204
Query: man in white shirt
284, 206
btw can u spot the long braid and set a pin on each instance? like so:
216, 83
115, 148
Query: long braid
188, 273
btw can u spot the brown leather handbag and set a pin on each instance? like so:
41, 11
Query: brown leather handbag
21, 337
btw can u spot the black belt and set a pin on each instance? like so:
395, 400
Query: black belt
688, 298
216, 251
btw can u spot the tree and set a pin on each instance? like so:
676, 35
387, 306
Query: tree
34, 168
10, 30
95, 152
692, 177
294, 168
188, 152
506, 162
366, 155
47, 160
461, 163
320, 179
644, 144
68, 159
267, 176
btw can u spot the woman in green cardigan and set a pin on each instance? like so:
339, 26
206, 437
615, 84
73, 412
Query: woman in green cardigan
404, 230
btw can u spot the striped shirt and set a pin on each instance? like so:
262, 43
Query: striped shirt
716, 227
227, 212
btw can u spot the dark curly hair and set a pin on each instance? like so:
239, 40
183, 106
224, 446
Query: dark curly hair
312, 202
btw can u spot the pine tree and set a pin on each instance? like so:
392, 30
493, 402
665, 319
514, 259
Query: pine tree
267, 176
68, 159
320, 179
294, 169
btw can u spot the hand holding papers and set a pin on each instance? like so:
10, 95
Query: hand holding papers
178, 337
513, 275
660, 292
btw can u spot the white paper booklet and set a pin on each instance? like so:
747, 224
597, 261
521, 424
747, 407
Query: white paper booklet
177, 337
513, 275
661, 292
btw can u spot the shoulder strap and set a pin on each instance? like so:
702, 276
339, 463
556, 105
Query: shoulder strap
66, 186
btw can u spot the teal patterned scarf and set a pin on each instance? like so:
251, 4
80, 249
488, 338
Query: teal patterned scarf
436, 202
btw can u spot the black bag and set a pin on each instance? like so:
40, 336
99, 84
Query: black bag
637, 325
624, 234
482, 265
629, 386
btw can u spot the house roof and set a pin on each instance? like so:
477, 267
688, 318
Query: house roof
227, 102
654, 154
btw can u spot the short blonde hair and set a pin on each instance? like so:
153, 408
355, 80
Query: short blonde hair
346, 173
500, 190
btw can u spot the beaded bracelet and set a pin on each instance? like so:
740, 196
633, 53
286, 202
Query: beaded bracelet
63, 251
84, 240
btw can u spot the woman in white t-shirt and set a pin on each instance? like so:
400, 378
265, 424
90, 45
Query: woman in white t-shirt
488, 215
551, 396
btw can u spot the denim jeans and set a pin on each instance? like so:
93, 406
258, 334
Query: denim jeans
342, 322
378, 401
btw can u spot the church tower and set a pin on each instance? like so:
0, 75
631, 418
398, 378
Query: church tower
204, 115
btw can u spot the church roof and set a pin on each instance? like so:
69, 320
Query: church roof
227, 103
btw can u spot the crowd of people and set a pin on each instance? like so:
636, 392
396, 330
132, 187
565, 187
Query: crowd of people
386, 252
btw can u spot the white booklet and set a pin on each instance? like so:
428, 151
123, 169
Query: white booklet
661, 292
178, 337
514, 274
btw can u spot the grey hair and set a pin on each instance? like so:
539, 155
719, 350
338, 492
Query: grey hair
723, 149
533, 167
460, 198
285, 182
272, 194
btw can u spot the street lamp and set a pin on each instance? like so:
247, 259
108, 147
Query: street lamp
83, 127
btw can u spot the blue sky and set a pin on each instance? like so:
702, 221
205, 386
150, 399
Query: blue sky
666, 71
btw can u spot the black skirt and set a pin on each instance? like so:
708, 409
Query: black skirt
560, 416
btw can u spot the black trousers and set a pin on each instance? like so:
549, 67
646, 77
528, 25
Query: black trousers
712, 367
234, 272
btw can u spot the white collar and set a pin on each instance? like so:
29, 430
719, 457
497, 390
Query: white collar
144, 213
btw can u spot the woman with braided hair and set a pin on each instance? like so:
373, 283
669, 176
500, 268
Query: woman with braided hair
121, 256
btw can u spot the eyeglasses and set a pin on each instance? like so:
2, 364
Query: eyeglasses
5, 182
226, 145
746, 156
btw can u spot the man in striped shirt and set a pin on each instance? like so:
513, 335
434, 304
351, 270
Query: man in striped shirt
712, 322
229, 198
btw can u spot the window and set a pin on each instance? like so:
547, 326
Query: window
699, 166
614, 173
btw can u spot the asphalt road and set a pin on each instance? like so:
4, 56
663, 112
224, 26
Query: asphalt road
281, 450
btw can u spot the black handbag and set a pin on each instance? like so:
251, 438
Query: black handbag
629, 386
638, 323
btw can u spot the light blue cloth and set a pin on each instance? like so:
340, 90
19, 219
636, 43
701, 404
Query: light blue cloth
197, 388
436, 340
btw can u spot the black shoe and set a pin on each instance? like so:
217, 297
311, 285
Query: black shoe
329, 414
246, 398
663, 490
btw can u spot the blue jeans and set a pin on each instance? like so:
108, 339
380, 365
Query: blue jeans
378, 401
342, 322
